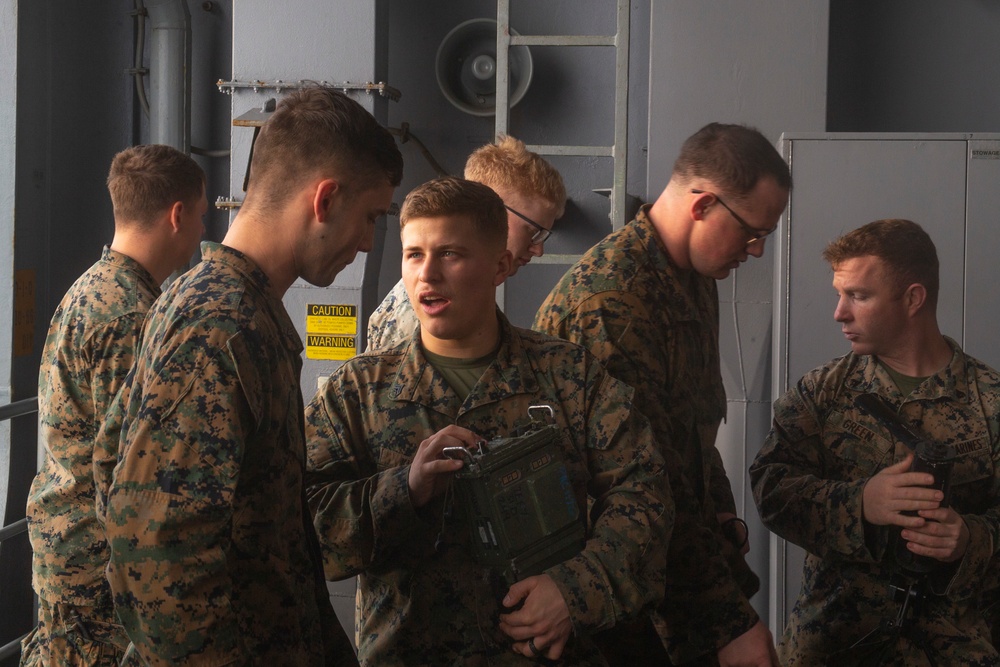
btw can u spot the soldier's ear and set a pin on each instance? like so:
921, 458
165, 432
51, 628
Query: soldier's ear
504, 265
324, 196
914, 298
174, 216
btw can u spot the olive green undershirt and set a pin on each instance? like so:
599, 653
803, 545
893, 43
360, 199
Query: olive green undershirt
905, 383
461, 374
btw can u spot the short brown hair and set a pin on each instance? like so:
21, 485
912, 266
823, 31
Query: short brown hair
451, 196
903, 246
733, 157
508, 167
146, 180
317, 127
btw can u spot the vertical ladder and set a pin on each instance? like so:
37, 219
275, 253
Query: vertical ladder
618, 152
620, 41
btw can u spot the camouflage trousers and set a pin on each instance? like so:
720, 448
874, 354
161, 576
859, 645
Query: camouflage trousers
77, 636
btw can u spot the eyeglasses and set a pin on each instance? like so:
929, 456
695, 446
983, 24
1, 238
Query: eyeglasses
541, 234
754, 233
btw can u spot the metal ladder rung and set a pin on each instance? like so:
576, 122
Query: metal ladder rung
563, 40
582, 151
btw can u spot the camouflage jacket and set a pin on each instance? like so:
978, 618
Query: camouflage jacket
427, 604
808, 481
213, 556
88, 352
393, 321
656, 327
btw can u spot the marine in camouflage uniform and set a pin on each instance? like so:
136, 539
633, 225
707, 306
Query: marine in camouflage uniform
808, 482
655, 326
422, 603
88, 352
213, 556
393, 321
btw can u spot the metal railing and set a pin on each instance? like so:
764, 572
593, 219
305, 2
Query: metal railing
10, 411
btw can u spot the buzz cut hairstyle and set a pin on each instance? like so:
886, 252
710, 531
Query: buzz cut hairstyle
906, 250
317, 128
451, 197
145, 181
732, 157
511, 169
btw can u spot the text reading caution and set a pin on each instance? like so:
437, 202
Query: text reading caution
339, 319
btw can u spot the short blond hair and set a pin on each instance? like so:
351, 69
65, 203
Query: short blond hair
510, 168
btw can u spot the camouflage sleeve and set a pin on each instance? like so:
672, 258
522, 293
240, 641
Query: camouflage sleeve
106, 448
112, 351
979, 569
605, 325
110, 354
795, 499
361, 510
170, 505
393, 321
621, 569
719, 486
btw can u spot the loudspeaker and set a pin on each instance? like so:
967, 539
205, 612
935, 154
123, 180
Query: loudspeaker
466, 67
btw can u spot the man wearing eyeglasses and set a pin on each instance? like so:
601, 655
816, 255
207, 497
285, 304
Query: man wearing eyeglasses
535, 197
644, 300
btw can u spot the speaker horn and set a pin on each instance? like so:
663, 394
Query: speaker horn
466, 67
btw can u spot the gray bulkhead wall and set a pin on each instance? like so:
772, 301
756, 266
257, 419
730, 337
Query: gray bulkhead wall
766, 68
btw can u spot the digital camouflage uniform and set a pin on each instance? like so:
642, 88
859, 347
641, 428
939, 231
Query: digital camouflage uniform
393, 321
426, 604
808, 481
213, 556
88, 352
656, 327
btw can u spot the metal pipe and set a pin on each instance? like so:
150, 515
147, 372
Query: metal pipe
140, 51
170, 73
16, 528
13, 648
19, 408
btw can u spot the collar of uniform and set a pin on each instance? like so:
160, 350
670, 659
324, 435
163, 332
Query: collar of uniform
216, 252
509, 374
686, 287
125, 262
952, 381
258, 280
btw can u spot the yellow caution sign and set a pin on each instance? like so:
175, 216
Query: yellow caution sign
335, 319
338, 348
